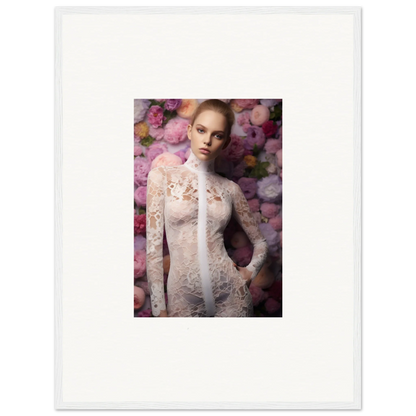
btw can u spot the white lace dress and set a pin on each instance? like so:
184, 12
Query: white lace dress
195, 204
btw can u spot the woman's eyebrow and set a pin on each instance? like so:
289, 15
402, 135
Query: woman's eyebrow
216, 131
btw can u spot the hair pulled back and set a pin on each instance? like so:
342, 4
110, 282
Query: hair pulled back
220, 107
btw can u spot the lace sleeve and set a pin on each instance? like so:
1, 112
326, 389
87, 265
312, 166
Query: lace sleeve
245, 218
155, 201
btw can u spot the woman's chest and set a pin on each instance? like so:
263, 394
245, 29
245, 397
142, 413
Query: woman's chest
189, 199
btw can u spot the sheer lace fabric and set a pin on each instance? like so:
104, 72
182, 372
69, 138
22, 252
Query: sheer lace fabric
194, 205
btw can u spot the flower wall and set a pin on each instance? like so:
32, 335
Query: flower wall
253, 160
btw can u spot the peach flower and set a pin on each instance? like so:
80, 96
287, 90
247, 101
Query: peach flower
236, 107
259, 115
166, 159
250, 160
187, 108
279, 156
141, 130
139, 297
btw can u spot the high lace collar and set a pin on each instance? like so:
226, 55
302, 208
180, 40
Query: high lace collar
198, 165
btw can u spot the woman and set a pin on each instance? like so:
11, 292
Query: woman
195, 205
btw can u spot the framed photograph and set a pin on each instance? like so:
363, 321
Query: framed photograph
186, 194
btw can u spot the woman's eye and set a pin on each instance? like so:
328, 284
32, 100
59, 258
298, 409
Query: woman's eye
199, 130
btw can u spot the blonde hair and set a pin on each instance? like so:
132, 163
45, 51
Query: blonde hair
220, 107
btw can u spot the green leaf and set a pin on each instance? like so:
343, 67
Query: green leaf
256, 150
142, 211
147, 141
259, 171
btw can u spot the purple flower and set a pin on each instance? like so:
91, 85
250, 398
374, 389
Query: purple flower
140, 108
269, 103
139, 243
172, 104
255, 135
270, 188
239, 169
147, 313
141, 170
271, 235
248, 186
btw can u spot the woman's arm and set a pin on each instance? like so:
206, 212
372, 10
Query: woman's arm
245, 218
155, 204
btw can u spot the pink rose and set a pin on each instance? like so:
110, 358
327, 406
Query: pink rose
234, 152
140, 196
254, 204
245, 127
176, 130
157, 134
276, 223
257, 294
243, 118
155, 116
251, 103
137, 151
166, 159
269, 210
272, 305
155, 149
140, 224
139, 264
269, 128
272, 146
259, 115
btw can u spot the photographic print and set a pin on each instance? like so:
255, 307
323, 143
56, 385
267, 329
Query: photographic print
210, 173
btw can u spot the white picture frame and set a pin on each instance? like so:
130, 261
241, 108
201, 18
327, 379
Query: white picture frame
308, 56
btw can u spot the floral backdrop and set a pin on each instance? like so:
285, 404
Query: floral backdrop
253, 160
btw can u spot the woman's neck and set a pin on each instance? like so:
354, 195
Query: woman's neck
196, 164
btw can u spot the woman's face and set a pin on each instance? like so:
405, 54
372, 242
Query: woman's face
208, 132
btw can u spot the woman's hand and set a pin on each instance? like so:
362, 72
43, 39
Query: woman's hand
246, 274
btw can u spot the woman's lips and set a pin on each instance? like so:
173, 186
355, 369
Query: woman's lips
206, 151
